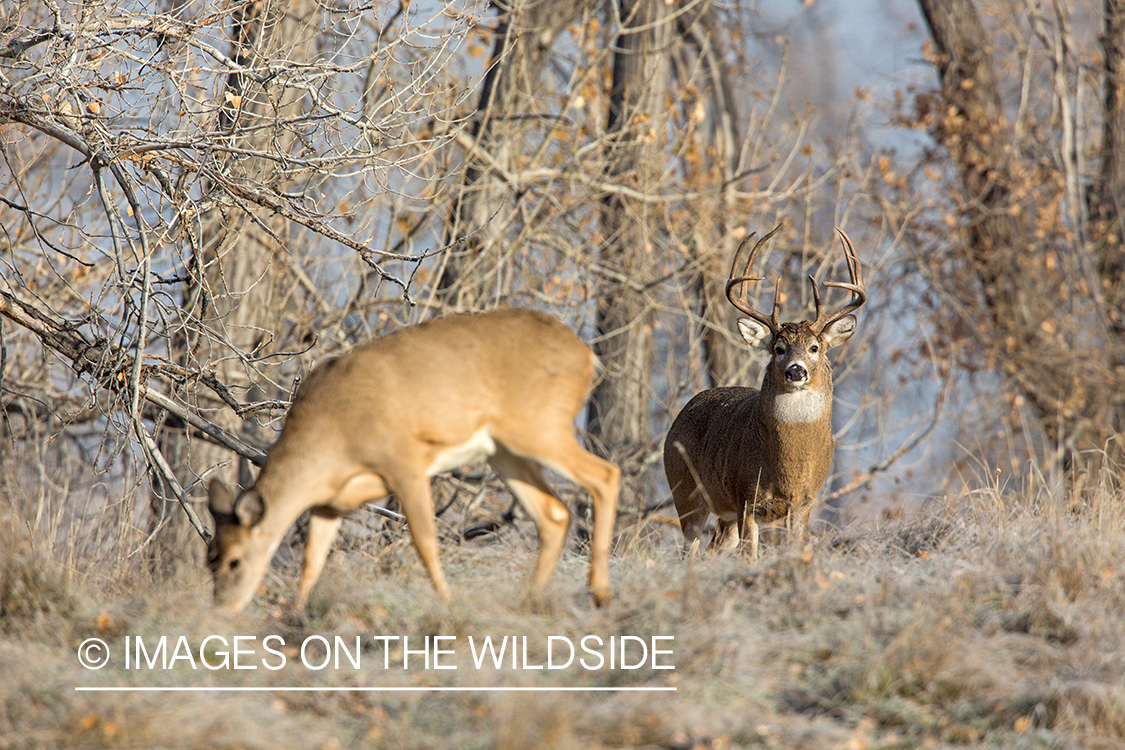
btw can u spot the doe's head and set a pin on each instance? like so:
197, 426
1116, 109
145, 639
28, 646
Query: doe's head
239, 552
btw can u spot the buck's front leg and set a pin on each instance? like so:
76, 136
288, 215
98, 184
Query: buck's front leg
797, 524
803, 530
748, 530
726, 536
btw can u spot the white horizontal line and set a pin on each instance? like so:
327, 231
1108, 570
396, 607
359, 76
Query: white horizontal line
414, 689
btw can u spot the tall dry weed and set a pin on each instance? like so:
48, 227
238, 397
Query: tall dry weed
35, 591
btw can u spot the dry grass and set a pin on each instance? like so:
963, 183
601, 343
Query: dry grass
987, 621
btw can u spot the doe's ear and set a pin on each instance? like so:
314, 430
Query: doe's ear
249, 508
839, 331
756, 334
220, 501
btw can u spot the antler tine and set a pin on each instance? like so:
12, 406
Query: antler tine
775, 318
740, 302
856, 287
734, 266
815, 295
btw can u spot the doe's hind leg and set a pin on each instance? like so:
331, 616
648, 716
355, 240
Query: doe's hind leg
524, 478
552, 443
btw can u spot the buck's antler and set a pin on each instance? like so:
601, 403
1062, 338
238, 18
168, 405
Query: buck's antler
740, 303
859, 293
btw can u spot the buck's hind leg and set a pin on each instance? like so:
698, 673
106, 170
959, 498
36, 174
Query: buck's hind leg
750, 535
693, 514
687, 495
748, 524
524, 478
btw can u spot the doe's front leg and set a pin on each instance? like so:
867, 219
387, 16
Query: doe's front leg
323, 526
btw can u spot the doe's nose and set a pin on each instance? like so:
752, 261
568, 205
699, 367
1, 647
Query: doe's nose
796, 374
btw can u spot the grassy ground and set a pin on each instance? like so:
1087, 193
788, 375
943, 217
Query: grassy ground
991, 621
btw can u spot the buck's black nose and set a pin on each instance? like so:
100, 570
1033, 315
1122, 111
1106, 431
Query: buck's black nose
796, 374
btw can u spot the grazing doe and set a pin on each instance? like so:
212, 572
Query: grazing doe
755, 456
503, 386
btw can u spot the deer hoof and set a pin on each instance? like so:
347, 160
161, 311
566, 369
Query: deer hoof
602, 596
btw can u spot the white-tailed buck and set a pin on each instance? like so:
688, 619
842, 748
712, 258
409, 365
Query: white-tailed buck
502, 386
760, 456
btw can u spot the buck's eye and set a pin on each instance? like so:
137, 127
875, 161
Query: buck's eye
814, 348
779, 350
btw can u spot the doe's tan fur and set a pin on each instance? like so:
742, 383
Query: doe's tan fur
503, 387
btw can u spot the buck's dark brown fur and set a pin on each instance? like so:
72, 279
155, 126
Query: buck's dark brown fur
755, 456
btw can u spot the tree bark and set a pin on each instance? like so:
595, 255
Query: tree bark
482, 214
1073, 390
717, 139
239, 303
1109, 212
980, 142
618, 415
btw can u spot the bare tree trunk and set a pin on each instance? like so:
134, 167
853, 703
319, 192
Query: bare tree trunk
1071, 388
717, 139
619, 407
484, 210
230, 288
979, 139
1111, 187
1109, 211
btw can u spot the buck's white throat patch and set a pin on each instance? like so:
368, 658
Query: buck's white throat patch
804, 405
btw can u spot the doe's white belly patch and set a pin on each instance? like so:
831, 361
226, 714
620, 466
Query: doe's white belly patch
474, 450
800, 406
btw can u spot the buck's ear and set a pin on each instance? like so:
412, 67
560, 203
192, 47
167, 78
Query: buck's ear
756, 334
839, 331
249, 508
